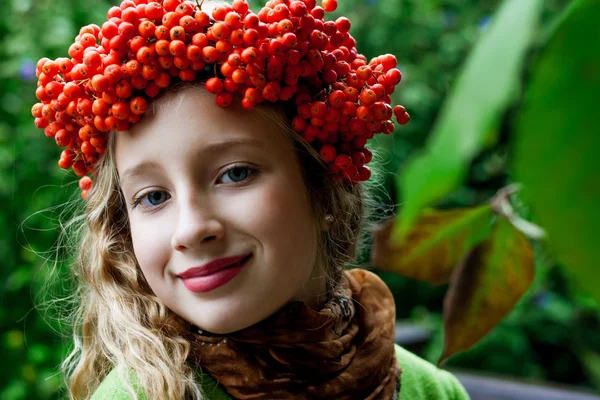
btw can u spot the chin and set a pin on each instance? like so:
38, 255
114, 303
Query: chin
220, 326
231, 318
222, 321
231, 313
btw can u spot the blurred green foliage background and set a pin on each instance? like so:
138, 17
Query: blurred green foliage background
549, 336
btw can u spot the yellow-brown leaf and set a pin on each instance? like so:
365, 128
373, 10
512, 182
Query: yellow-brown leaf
486, 286
434, 245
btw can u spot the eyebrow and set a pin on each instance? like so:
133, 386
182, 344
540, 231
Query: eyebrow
213, 148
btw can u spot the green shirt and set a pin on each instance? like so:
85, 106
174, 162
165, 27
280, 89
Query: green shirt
420, 380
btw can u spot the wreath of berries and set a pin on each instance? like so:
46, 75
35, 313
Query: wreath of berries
287, 52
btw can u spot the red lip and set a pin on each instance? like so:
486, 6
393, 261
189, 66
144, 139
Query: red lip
211, 267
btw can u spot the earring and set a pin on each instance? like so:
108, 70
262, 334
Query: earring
329, 218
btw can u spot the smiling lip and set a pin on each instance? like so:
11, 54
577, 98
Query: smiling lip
214, 274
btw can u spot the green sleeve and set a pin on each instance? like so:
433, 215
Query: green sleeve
112, 388
421, 380
211, 389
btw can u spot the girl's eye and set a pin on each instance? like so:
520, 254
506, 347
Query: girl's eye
155, 198
237, 174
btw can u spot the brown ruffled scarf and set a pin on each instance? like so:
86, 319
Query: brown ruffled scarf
343, 351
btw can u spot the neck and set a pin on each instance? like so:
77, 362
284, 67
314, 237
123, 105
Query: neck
314, 292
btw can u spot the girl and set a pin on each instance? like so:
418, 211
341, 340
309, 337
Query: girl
212, 263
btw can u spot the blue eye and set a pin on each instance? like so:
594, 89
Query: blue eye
238, 174
155, 198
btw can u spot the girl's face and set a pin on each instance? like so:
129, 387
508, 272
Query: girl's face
204, 184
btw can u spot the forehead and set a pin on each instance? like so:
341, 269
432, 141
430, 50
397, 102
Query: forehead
189, 120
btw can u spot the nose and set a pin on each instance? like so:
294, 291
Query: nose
198, 223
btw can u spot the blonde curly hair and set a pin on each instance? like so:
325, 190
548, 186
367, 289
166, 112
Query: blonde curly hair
120, 324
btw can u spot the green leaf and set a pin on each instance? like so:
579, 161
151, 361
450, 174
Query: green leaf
470, 118
38, 353
556, 143
16, 390
14, 339
591, 363
486, 286
435, 244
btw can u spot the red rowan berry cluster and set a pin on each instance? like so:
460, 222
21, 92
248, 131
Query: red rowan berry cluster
286, 52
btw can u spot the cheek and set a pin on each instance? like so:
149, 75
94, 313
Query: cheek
284, 224
151, 248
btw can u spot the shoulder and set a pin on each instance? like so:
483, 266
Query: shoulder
423, 381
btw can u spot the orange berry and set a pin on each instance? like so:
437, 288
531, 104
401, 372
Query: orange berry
224, 47
318, 109
170, 19
220, 30
202, 19
53, 89
144, 55
177, 48
80, 168
240, 6
328, 153
343, 161
65, 65
120, 110
133, 67
214, 85
198, 65
404, 118
388, 61
87, 148
224, 99
364, 173
219, 12
210, 54
162, 80
184, 9
237, 37
181, 63
239, 76
367, 97
162, 33
147, 29
254, 95
271, 91
36, 110
193, 52
124, 89
152, 89
99, 123
100, 107
177, 33
85, 183
189, 24
187, 75
249, 55
233, 20
227, 69
138, 105
200, 40
336, 99
150, 71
